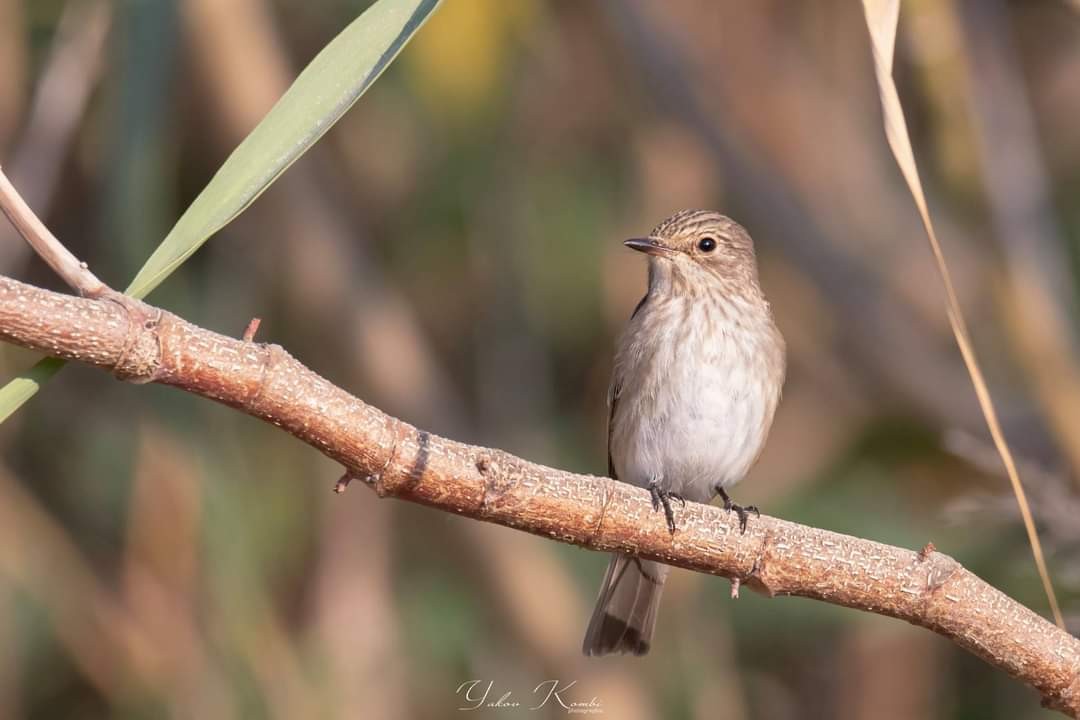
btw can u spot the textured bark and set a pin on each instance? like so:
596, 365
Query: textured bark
140, 343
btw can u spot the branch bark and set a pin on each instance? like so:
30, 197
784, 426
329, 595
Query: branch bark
140, 343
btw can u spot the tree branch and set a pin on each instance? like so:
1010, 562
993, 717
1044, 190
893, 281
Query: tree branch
140, 343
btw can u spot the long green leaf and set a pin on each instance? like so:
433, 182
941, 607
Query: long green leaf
321, 94
327, 87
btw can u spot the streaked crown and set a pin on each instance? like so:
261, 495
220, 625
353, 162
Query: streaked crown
685, 229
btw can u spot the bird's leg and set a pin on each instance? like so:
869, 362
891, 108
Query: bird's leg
742, 512
662, 498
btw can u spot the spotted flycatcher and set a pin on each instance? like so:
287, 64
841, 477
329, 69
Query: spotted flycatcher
697, 377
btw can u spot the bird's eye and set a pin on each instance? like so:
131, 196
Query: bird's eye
706, 244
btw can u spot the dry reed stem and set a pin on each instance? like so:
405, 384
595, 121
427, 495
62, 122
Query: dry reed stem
881, 20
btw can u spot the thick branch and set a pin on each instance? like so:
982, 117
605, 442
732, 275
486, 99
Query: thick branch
140, 343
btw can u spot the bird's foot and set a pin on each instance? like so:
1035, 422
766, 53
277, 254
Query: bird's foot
662, 499
742, 511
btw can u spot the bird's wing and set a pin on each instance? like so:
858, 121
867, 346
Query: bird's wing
613, 398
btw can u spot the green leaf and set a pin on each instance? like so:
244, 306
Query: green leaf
26, 385
321, 94
327, 87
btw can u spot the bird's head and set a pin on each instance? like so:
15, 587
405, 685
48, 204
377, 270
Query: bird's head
698, 246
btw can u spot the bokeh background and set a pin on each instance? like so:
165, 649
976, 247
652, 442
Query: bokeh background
451, 253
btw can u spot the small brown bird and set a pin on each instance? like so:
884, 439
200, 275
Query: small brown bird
697, 378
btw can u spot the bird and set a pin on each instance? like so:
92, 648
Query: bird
697, 377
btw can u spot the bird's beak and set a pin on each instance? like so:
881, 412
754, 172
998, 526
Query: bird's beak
649, 246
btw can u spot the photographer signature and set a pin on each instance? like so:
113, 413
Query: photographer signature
478, 694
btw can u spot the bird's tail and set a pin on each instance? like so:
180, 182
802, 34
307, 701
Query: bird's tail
625, 612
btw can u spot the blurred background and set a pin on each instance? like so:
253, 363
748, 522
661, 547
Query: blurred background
450, 252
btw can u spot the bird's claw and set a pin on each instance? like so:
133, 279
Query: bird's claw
744, 513
741, 511
662, 499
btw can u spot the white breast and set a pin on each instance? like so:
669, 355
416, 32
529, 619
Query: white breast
698, 389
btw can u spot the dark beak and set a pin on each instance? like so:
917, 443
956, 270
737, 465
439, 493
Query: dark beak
649, 246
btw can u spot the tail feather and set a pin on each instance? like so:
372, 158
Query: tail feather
625, 613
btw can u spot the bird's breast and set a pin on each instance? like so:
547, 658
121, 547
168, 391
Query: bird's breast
696, 398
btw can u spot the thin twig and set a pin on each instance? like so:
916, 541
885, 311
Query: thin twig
251, 329
67, 266
343, 483
398, 460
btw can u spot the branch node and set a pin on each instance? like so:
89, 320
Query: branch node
137, 363
942, 569
1065, 700
756, 578
501, 474
607, 495
375, 480
270, 356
